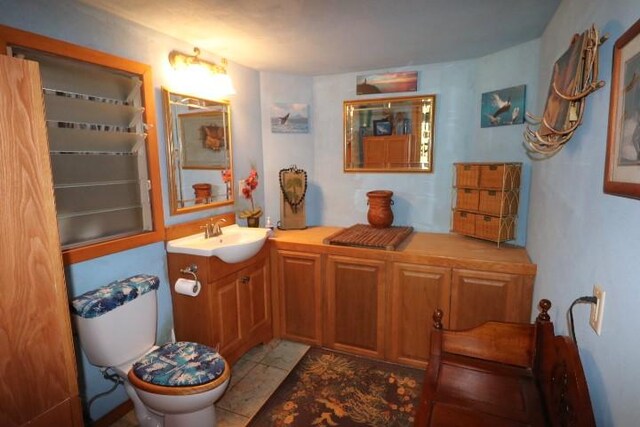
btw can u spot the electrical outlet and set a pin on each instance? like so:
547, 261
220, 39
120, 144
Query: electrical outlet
597, 309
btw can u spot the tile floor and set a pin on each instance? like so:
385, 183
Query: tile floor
253, 379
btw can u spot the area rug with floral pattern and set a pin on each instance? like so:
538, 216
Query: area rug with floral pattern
334, 389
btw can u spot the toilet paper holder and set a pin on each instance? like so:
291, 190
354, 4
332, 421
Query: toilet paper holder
192, 270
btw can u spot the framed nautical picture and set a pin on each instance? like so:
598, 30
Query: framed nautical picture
622, 165
503, 107
289, 118
402, 81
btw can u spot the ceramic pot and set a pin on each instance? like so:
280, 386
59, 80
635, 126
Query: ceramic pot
380, 214
202, 192
253, 221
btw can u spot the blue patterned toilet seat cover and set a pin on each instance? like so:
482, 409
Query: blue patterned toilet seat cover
180, 364
104, 299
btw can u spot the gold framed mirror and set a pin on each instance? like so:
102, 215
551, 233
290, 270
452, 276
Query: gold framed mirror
199, 152
389, 134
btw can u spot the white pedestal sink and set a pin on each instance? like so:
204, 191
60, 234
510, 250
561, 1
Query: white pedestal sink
235, 244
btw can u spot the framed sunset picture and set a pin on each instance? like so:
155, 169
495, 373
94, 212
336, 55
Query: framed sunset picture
402, 81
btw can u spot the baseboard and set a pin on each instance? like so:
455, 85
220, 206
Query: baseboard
114, 415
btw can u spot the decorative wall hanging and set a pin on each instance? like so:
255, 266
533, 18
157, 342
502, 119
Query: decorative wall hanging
575, 75
403, 81
503, 107
293, 190
622, 166
290, 118
204, 140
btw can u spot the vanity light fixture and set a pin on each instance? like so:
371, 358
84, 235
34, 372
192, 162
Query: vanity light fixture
204, 75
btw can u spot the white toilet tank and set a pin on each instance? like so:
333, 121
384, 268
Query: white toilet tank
117, 322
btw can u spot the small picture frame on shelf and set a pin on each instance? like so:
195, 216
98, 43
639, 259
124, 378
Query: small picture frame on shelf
381, 127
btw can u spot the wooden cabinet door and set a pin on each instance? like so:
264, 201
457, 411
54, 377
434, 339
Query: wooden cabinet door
299, 296
416, 291
255, 307
355, 305
480, 296
226, 312
38, 383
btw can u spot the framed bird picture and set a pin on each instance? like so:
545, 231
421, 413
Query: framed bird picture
290, 118
503, 107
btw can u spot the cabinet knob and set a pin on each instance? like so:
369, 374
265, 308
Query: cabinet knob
245, 279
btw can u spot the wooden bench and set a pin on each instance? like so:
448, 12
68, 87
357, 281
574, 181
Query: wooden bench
504, 374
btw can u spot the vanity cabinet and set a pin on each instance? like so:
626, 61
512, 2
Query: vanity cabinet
240, 307
355, 305
481, 296
299, 295
380, 304
417, 290
232, 311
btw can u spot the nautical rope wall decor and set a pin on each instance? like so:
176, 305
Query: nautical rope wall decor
575, 75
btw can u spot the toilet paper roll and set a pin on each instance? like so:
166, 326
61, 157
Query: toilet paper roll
187, 287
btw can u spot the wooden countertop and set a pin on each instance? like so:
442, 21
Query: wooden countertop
444, 249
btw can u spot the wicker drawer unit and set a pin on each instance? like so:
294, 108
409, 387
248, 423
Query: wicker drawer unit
486, 200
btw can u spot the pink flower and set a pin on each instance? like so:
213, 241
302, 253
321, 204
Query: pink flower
250, 184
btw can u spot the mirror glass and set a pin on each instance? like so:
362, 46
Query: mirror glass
389, 134
198, 152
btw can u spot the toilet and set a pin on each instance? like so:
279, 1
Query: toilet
172, 385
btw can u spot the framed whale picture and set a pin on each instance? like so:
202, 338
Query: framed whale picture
503, 107
289, 118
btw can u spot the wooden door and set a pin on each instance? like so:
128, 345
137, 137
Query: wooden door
355, 305
255, 306
299, 296
226, 313
416, 291
38, 369
481, 296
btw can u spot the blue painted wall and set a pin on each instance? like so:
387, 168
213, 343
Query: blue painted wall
421, 200
83, 25
580, 236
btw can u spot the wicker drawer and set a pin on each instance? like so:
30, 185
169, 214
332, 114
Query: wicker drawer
467, 175
497, 202
495, 228
467, 199
500, 176
464, 222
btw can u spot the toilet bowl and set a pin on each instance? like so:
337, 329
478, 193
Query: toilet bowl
172, 385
